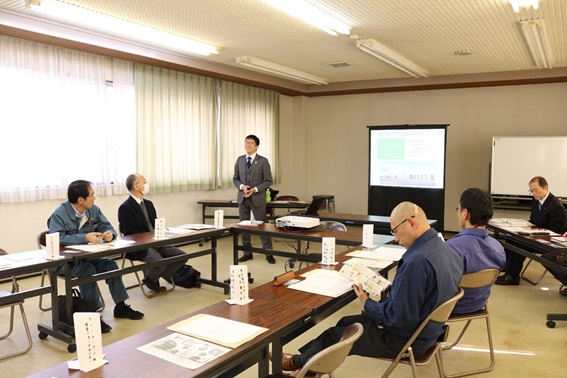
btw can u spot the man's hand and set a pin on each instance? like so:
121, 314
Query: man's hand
248, 190
94, 237
360, 293
108, 236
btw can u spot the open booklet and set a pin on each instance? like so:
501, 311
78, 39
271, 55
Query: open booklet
371, 281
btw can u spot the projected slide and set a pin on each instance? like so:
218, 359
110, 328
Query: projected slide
407, 157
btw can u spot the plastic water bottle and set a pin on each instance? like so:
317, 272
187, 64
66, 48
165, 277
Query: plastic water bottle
268, 195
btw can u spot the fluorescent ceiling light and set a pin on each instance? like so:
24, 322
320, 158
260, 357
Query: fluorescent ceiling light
310, 14
538, 44
517, 4
279, 70
116, 27
391, 57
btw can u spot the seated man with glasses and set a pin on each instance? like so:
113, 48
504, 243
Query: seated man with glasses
478, 250
427, 276
547, 212
80, 221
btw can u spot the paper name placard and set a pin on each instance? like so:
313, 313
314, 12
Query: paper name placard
89, 341
159, 230
328, 254
52, 246
219, 216
239, 284
368, 235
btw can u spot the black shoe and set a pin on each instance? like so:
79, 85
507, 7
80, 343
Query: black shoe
127, 312
104, 328
270, 259
153, 285
245, 258
507, 280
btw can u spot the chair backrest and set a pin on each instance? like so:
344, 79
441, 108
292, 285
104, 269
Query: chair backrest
41, 243
286, 198
332, 225
329, 359
440, 315
479, 279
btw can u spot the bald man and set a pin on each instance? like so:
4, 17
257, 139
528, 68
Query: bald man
427, 276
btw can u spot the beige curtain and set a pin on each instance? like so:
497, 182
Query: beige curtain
246, 110
176, 129
66, 115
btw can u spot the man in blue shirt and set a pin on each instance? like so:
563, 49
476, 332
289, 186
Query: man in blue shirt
427, 276
80, 221
478, 250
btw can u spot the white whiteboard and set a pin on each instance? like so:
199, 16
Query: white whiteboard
515, 160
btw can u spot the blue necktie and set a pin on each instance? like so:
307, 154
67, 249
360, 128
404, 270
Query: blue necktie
248, 162
539, 203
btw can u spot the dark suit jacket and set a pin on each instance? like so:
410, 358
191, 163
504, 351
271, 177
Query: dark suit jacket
132, 221
551, 216
259, 175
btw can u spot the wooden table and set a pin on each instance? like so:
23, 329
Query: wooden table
297, 205
63, 331
126, 361
20, 263
531, 247
316, 234
322, 306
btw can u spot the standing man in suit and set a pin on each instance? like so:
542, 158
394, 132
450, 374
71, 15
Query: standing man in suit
137, 215
546, 212
252, 176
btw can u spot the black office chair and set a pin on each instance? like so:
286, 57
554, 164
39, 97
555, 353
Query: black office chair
12, 305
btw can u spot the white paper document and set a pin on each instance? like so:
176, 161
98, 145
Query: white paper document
183, 350
250, 223
218, 330
101, 246
196, 226
371, 263
324, 282
381, 253
174, 231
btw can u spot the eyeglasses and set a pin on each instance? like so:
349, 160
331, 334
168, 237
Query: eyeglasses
393, 230
250, 143
533, 191
458, 208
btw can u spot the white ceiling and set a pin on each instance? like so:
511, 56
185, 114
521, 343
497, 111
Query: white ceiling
427, 32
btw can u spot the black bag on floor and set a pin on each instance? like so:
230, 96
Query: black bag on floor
186, 276
79, 305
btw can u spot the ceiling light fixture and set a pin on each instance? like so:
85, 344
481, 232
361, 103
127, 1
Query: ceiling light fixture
538, 44
279, 70
116, 27
391, 57
517, 4
312, 15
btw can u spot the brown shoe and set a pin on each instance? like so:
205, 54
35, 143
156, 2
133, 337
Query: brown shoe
287, 362
563, 291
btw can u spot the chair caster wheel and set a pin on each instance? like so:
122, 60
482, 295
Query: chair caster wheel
42, 335
550, 324
72, 348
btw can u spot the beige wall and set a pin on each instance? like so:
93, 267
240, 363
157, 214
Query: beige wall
338, 137
324, 149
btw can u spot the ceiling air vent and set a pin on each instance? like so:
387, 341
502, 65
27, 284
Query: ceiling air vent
338, 64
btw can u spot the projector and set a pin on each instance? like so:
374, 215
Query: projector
296, 222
